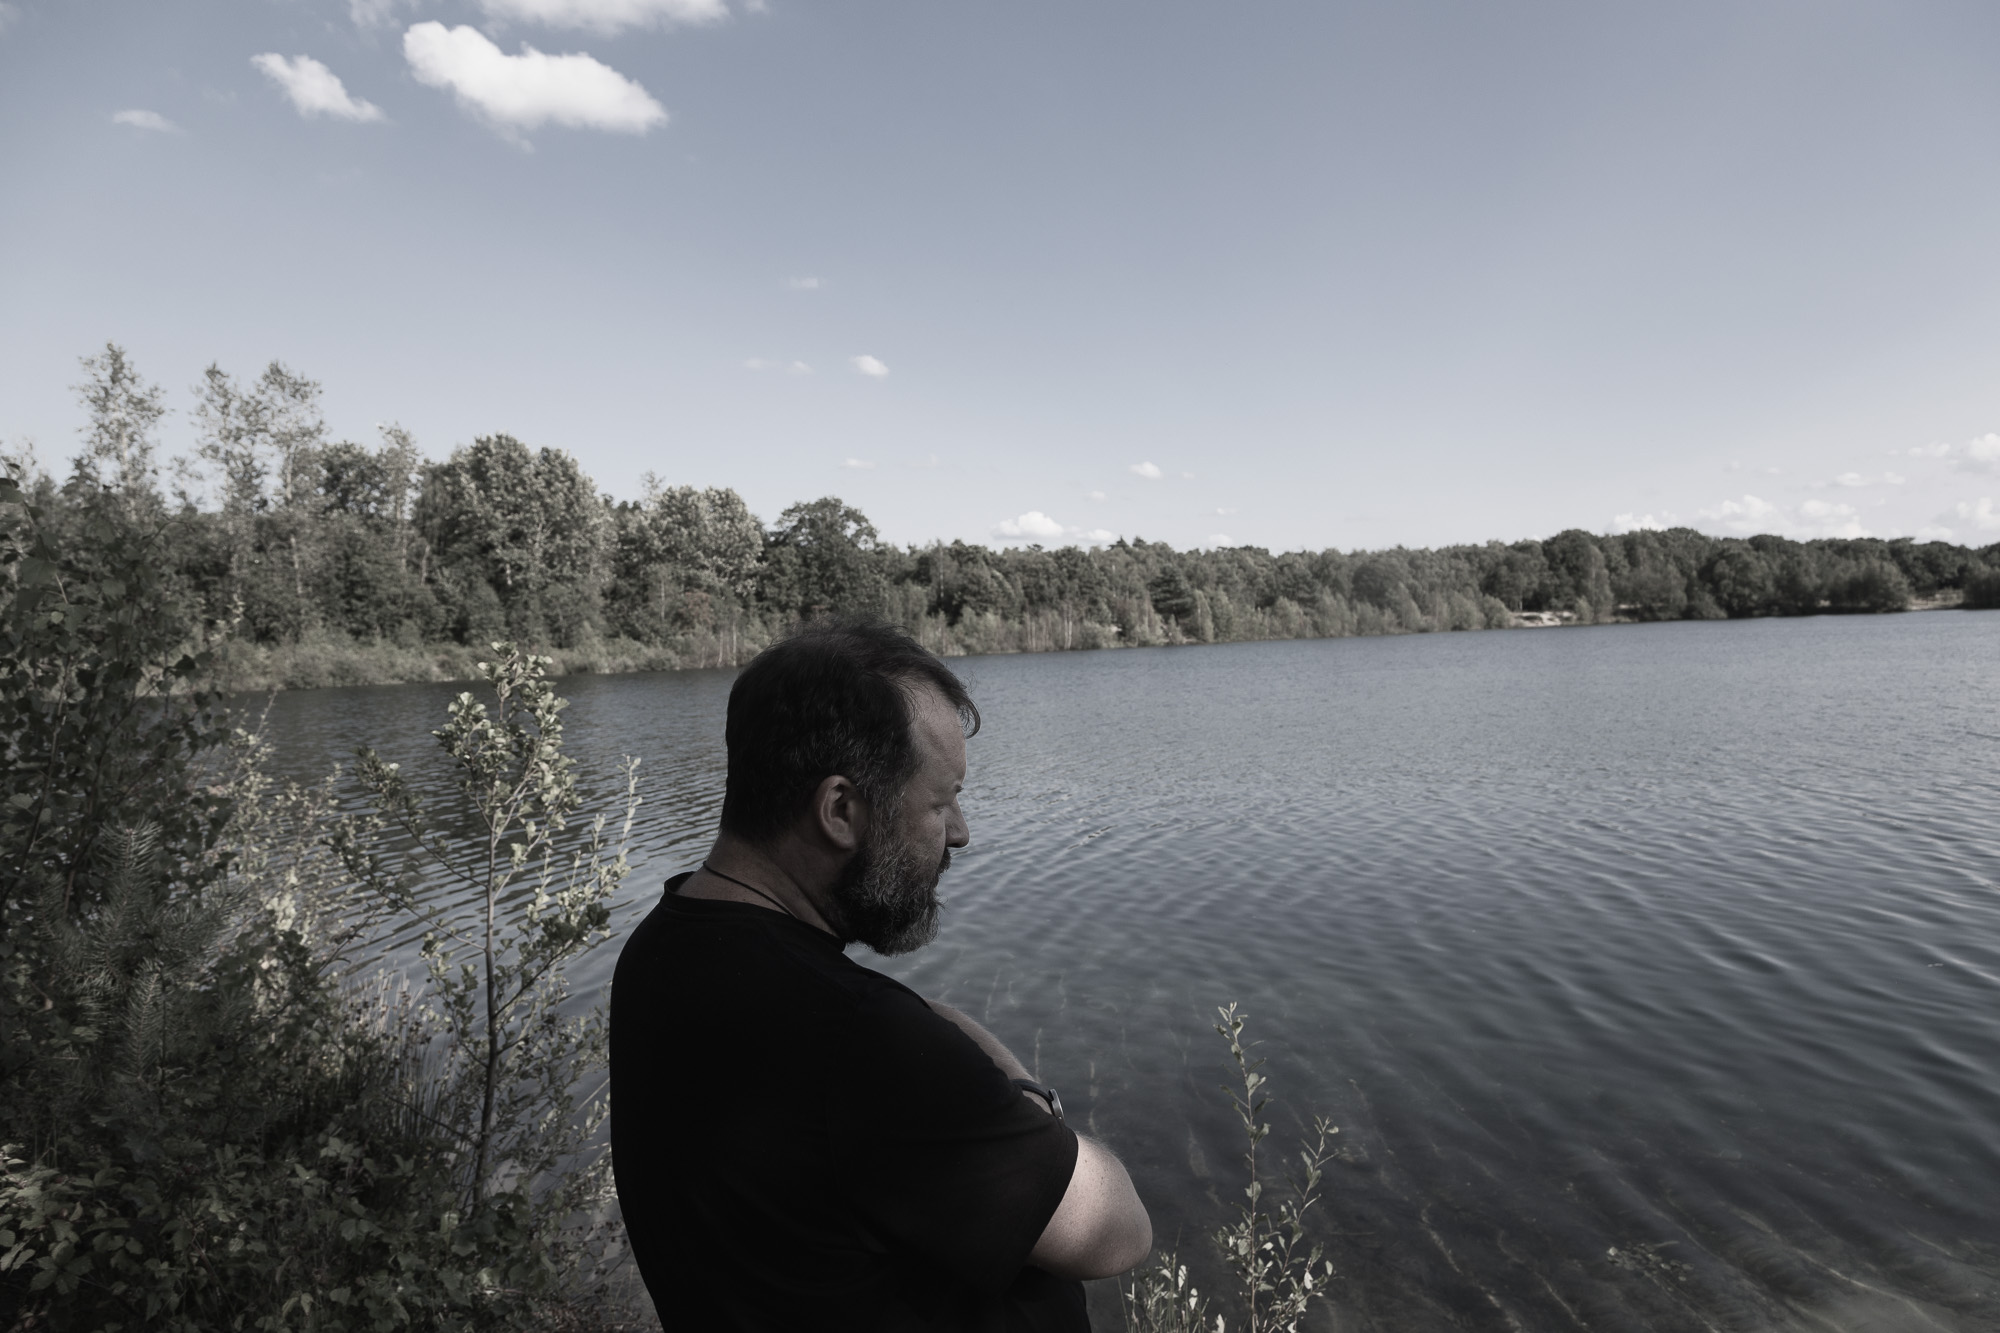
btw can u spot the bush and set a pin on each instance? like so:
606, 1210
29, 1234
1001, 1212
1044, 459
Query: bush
215, 1113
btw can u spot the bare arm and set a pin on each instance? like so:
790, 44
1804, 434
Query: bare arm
1100, 1229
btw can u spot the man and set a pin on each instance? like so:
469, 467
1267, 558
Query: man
801, 1143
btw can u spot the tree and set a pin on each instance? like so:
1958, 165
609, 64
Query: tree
1871, 585
542, 901
231, 441
1577, 578
1379, 580
1740, 579
822, 557
363, 581
1172, 596
105, 718
1067, 582
528, 524
118, 448
682, 559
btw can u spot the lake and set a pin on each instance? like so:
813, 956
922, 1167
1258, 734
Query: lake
1652, 972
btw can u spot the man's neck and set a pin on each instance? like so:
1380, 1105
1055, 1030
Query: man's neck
775, 878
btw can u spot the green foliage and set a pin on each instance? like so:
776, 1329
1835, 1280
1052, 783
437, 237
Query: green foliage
527, 525
822, 557
1982, 591
511, 1060
303, 560
1266, 1248
103, 716
214, 1113
1163, 1300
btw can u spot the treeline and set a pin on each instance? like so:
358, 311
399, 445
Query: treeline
312, 560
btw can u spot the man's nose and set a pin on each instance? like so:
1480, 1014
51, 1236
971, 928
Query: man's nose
956, 834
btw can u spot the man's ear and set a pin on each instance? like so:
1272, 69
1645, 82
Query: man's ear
839, 813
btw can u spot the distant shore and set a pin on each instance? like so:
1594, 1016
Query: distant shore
328, 661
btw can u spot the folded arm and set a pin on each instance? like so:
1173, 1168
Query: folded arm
1100, 1229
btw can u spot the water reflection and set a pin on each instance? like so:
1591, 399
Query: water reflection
1651, 971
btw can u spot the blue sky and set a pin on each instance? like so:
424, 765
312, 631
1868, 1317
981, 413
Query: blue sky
1284, 273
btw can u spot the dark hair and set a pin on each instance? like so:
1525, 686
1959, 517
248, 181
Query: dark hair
834, 698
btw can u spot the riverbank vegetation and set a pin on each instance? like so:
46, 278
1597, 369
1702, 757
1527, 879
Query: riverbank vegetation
217, 1110
298, 559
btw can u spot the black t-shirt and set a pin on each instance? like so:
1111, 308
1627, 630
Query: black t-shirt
801, 1143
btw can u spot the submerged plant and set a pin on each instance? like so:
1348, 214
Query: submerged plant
1266, 1247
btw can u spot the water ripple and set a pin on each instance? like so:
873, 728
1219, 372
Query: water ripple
1652, 972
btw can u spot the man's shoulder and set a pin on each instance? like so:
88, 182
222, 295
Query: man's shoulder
706, 943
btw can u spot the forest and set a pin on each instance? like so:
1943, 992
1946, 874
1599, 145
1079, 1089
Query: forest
302, 559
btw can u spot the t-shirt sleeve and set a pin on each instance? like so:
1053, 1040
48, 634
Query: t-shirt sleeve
949, 1160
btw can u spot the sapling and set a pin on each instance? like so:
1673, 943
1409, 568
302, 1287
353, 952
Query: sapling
1278, 1273
1267, 1247
512, 1061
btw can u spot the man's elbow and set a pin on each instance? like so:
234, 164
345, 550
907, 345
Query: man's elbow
1131, 1243
1101, 1229
1121, 1245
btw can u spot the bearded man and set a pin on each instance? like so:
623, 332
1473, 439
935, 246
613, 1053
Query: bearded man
801, 1143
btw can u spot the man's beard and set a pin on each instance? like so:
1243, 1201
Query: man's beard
887, 896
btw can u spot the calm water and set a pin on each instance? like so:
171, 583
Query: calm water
1682, 940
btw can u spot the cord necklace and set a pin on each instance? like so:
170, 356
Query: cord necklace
753, 888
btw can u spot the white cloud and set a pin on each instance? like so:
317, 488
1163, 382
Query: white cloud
1147, 470
805, 284
1221, 539
1226, 512
1642, 522
869, 366
145, 120
1813, 518
798, 368
607, 16
1976, 455
374, 13
531, 89
1094, 495
1857, 479
759, 363
1982, 455
1100, 537
1743, 515
1187, 476
1980, 514
314, 89
8, 14
859, 465
1034, 523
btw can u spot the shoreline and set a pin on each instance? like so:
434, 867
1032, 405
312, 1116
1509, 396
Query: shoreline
328, 662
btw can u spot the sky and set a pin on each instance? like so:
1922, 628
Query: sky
1347, 273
